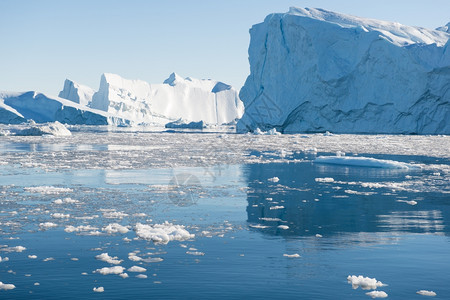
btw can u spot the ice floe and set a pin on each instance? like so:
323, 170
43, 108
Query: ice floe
296, 255
99, 289
273, 179
60, 216
366, 283
114, 260
110, 270
426, 293
4, 259
137, 269
162, 233
12, 249
361, 161
285, 227
32, 256
325, 179
115, 228
47, 225
142, 276
6, 286
377, 294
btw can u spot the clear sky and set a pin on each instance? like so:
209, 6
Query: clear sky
44, 42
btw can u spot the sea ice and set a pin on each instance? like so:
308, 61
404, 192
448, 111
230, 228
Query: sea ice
111, 270
366, 283
109, 259
99, 289
296, 255
163, 233
115, 228
361, 161
377, 294
6, 286
137, 269
426, 293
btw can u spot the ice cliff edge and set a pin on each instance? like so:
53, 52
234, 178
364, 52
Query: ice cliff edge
313, 70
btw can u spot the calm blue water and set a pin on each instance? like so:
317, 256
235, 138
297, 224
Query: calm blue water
359, 224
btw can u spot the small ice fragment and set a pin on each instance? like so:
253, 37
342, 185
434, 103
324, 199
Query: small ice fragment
377, 294
124, 275
273, 179
74, 259
296, 255
32, 256
283, 227
84, 273
410, 202
276, 207
109, 259
319, 235
47, 225
99, 289
325, 179
112, 270
426, 293
6, 286
4, 259
366, 283
142, 276
48, 259
137, 269
37, 283
197, 253
60, 216
115, 228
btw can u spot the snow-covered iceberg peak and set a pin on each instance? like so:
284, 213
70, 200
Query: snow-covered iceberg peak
77, 93
188, 98
313, 70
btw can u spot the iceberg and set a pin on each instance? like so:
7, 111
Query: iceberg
17, 108
180, 123
313, 70
193, 100
77, 93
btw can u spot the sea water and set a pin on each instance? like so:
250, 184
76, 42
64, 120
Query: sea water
267, 225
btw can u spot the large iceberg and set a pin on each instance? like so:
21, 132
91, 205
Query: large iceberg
77, 93
17, 108
314, 70
194, 100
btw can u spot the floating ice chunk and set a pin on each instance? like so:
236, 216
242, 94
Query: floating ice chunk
37, 284
272, 131
426, 293
364, 162
109, 259
366, 283
48, 259
124, 275
4, 259
99, 289
114, 215
6, 286
196, 253
142, 276
47, 225
325, 179
111, 270
81, 228
276, 207
163, 233
319, 235
273, 179
47, 190
285, 227
133, 257
180, 123
152, 259
377, 294
32, 256
296, 255
137, 269
56, 129
115, 228
60, 216
410, 202
13, 249
66, 200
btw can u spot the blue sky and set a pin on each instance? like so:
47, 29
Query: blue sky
44, 42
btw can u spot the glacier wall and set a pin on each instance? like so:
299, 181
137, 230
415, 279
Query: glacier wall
313, 70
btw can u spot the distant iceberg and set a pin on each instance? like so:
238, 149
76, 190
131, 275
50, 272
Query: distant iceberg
313, 70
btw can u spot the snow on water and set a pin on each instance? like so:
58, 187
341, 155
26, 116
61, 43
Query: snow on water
163, 233
361, 161
346, 75
366, 283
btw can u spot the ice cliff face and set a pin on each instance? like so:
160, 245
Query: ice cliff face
77, 93
190, 99
314, 70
